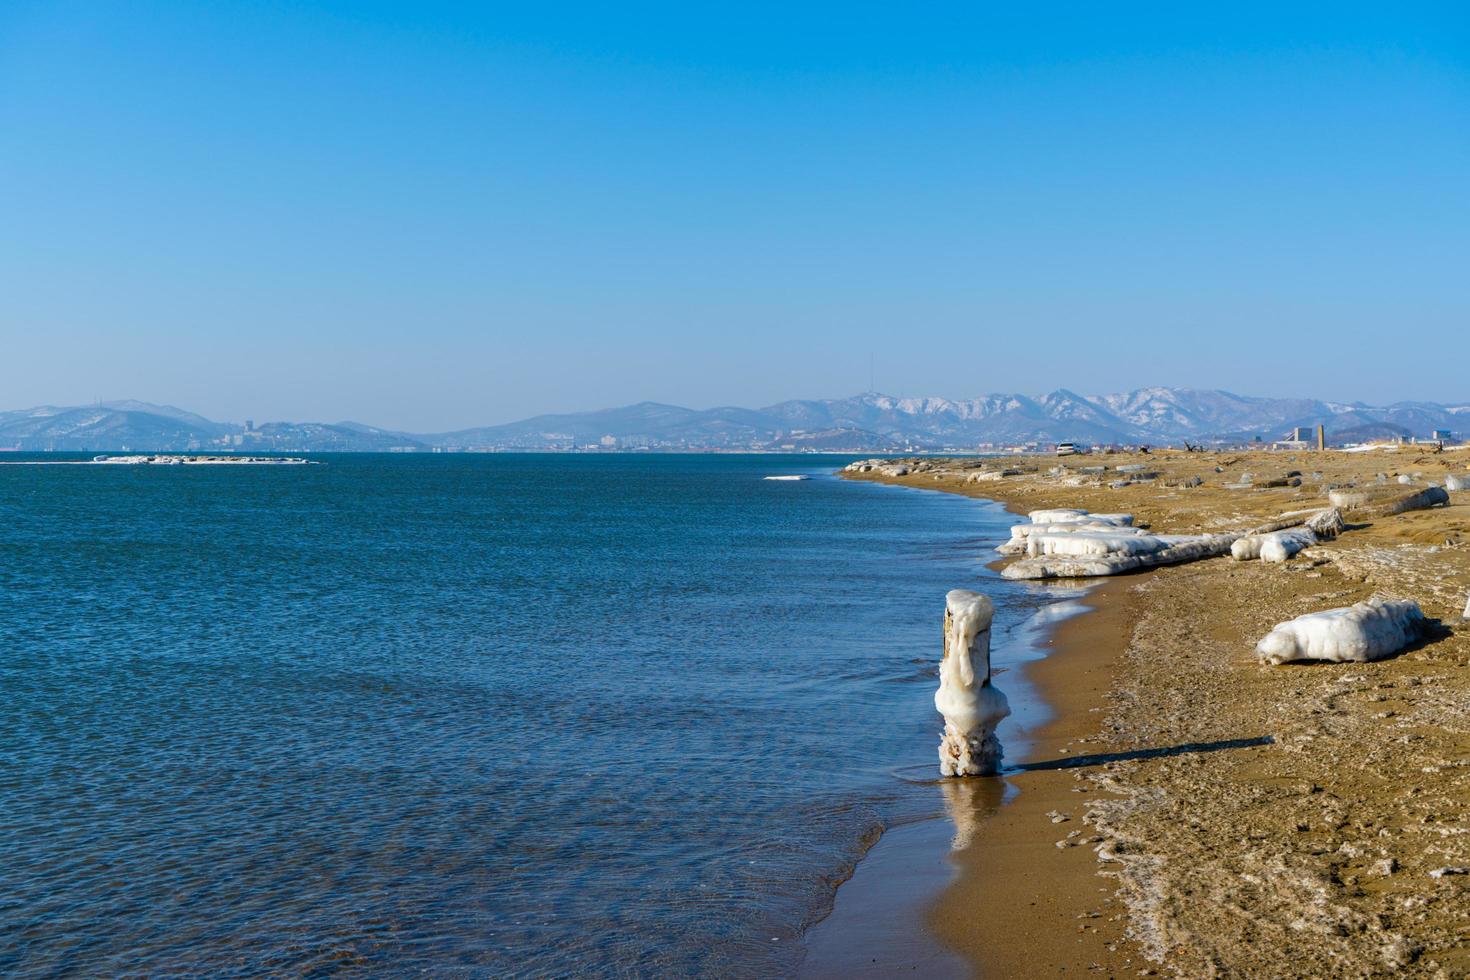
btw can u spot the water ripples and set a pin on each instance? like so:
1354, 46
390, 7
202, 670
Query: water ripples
515, 715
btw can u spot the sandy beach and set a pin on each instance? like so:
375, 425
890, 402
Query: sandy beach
1191, 812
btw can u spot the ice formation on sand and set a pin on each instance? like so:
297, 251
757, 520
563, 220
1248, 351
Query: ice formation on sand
1088, 545
1456, 483
1022, 533
986, 475
1277, 546
1282, 545
1095, 544
1388, 501
970, 704
1072, 516
1247, 548
1065, 522
1065, 515
1176, 550
1327, 525
1368, 631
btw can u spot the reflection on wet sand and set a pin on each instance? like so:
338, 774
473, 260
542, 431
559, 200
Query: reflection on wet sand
969, 803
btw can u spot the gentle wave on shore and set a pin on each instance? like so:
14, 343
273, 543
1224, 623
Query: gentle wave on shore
519, 714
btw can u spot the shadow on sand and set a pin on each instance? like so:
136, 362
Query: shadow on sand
1188, 748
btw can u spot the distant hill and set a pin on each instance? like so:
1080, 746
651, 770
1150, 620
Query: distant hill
144, 427
864, 422
876, 421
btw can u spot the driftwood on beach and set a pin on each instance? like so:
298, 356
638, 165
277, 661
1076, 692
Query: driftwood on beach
1089, 566
1388, 501
1065, 521
1124, 554
1279, 540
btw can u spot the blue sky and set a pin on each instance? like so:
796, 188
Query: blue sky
431, 215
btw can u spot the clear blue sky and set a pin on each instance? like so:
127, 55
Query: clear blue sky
431, 215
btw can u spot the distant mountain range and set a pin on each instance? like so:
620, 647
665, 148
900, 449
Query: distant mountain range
863, 422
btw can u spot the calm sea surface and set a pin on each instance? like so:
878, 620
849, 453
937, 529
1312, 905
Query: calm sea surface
492, 714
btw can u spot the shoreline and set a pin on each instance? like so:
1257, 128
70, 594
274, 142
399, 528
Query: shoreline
912, 901
983, 889
1020, 905
1047, 907
1240, 818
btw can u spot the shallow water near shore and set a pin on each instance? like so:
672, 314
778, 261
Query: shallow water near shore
520, 714
878, 927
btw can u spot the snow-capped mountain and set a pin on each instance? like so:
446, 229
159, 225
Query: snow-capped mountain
878, 420
868, 421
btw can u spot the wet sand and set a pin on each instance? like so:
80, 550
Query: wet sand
1240, 819
1021, 905
876, 927
890, 917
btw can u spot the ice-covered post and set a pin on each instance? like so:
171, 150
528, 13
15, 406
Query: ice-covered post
970, 704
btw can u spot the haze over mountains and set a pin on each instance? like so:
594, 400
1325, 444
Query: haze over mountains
863, 422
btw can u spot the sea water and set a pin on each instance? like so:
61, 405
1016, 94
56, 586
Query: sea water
503, 714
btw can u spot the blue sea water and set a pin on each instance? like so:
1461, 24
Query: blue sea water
487, 714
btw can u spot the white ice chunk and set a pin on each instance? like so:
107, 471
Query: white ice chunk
1453, 869
971, 706
1248, 548
1277, 546
1455, 483
1020, 532
1091, 544
1388, 502
1065, 515
1327, 524
1282, 545
1181, 548
1070, 515
1367, 631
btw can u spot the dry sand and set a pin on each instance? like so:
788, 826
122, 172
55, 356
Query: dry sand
1229, 818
